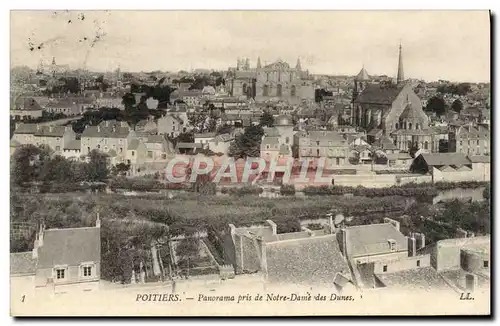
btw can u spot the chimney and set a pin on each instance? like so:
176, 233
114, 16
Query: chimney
98, 129
461, 233
330, 224
470, 282
107, 123
37, 127
412, 246
393, 222
51, 128
273, 226
98, 221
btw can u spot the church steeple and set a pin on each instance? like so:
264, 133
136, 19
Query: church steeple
401, 75
258, 63
298, 67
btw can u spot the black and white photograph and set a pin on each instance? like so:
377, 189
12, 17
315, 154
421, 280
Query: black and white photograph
250, 163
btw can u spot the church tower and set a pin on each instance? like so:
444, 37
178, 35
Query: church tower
401, 76
298, 67
53, 67
258, 63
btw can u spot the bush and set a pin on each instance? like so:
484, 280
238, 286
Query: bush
241, 191
287, 190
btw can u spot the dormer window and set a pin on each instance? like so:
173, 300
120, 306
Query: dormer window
392, 244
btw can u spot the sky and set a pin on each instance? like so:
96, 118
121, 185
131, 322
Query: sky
449, 45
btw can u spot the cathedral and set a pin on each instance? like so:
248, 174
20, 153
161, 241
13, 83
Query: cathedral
391, 109
276, 81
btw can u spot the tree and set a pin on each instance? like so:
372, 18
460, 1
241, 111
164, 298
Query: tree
56, 169
436, 104
224, 129
457, 106
128, 101
185, 137
248, 143
267, 119
120, 169
97, 168
25, 164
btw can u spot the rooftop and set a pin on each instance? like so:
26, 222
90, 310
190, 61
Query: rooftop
70, 247
418, 278
436, 159
379, 94
373, 239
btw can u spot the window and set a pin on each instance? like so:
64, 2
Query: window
317, 142
287, 140
105, 141
150, 154
244, 88
267, 146
317, 152
106, 148
265, 91
418, 263
409, 126
338, 160
121, 149
478, 142
60, 273
397, 125
426, 145
279, 90
164, 156
293, 90
486, 264
392, 245
88, 149
98, 146
87, 271
384, 268
133, 153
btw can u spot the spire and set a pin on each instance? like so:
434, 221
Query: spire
401, 76
53, 61
298, 67
258, 63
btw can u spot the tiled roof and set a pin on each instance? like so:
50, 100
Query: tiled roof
70, 247
113, 123
379, 94
51, 131
189, 145
74, 144
435, 159
385, 143
424, 278
22, 263
457, 278
155, 139
27, 103
312, 260
372, 239
205, 135
324, 137
264, 232
374, 132
26, 128
271, 132
362, 75
224, 137
480, 159
270, 140
293, 235
133, 144
106, 132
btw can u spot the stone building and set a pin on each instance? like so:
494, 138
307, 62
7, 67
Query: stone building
276, 81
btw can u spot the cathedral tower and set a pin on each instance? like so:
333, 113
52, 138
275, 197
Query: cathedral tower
258, 63
401, 76
298, 67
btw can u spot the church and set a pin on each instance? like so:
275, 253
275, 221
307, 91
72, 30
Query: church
276, 81
391, 109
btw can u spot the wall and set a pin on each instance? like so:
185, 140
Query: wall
382, 258
474, 261
476, 174
447, 252
72, 275
403, 264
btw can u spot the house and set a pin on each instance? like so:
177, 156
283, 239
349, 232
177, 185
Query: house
158, 148
277, 141
68, 259
173, 123
55, 137
287, 258
66, 106
25, 108
373, 242
204, 138
451, 167
188, 148
73, 150
470, 140
147, 125
465, 263
322, 143
221, 143
110, 137
136, 154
